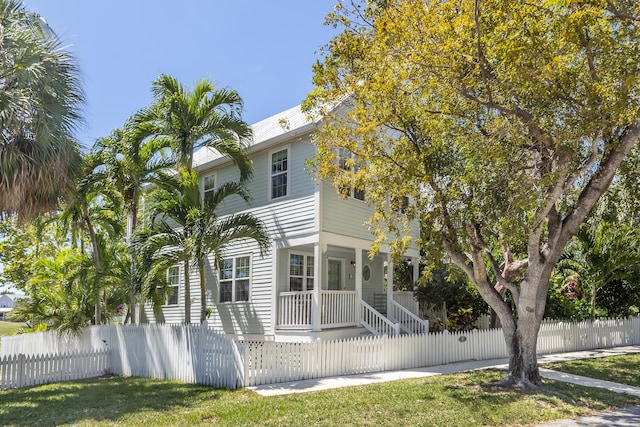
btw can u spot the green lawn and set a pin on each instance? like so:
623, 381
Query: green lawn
619, 369
448, 400
9, 328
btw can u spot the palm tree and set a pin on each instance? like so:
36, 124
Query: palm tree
40, 101
133, 158
202, 117
95, 210
601, 256
200, 231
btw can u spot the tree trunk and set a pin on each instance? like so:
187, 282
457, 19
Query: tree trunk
187, 294
522, 349
96, 262
134, 281
203, 294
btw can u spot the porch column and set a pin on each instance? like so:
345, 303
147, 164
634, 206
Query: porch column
389, 283
275, 289
415, 262
358, 274
315, 297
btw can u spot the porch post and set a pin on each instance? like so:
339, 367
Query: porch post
389, 283
275, 288
415, 262
315, 297
358, 274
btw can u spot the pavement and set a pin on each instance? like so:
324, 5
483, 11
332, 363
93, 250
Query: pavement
625, 417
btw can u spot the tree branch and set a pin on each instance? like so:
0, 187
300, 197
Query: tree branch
597, 185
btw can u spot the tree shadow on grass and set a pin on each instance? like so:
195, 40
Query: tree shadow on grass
105, 399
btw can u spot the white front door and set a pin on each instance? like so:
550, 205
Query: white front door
334, 273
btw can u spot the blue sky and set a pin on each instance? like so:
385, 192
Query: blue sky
262, 48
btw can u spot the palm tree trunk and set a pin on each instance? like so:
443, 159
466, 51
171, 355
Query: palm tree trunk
134, 280
203, 294
96, 262
187, 294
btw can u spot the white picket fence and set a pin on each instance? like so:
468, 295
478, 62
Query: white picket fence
190, 354
23, 371
199, 355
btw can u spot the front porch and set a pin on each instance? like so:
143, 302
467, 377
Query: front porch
342, 309
347, 294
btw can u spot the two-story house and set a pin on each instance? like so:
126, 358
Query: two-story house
318, 279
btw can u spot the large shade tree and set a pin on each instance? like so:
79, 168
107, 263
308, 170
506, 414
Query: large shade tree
40, 98
504, 124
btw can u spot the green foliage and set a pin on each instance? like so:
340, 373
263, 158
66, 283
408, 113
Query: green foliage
449, 289
40, 101
598, 275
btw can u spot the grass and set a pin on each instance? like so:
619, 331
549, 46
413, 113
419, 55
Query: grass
447, 400
620, 369
10, 328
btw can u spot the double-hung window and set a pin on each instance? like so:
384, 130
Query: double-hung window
300, 272
173, 285
278, 179
208, 188
235, 279
348, 162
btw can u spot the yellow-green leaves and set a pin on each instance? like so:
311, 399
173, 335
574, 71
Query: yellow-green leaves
482, 112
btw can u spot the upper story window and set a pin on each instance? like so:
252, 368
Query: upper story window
235, 279
173, 288
278, 180
348, 162
208, 188
301, 272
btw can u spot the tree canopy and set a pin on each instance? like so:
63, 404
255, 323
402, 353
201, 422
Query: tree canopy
40, 100
504, 124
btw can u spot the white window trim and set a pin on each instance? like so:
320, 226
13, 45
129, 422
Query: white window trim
166, 300
305, 277
269, 165
233, 281
352, 187
215, 184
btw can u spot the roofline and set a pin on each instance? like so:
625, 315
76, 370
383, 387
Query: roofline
263, 145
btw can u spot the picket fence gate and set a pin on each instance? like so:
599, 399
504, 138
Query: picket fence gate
28, 370
195, 354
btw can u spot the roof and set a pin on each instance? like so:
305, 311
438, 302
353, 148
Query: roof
13, 297
290, 121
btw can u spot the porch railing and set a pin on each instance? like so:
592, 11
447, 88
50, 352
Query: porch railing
409, 322
339, 308
376, 323
294, 309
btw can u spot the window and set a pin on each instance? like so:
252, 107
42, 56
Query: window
208, 188
235, 275
279, 172
173, 286
300, 272
348, 162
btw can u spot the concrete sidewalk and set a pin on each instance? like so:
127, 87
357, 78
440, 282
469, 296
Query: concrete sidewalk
378, 377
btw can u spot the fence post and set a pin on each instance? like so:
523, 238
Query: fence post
21, 368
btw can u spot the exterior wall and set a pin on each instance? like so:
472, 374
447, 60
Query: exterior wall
376, 283
284, 217
347, 217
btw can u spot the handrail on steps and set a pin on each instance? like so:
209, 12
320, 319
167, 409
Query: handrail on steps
408, 321
375, 322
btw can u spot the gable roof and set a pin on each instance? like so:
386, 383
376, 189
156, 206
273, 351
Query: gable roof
288, 123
